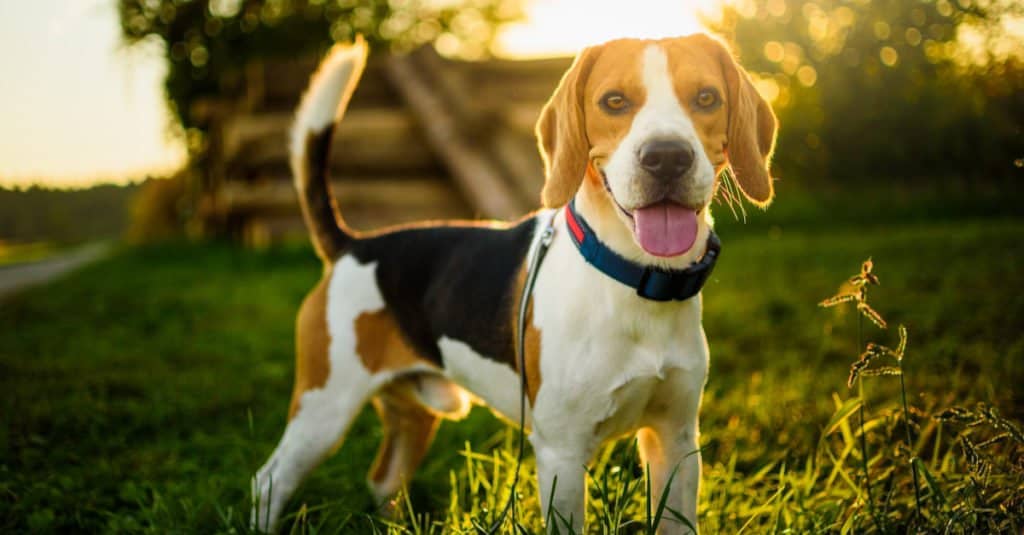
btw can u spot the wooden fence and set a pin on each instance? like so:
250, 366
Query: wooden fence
425, 138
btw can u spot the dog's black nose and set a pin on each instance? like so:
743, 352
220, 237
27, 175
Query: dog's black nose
666, 159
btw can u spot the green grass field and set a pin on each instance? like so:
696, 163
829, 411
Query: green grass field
28, 252
140, 393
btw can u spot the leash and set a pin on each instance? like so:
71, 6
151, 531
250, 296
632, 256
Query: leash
546, 237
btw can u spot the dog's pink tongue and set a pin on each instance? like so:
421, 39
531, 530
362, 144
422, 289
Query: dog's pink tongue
665, 228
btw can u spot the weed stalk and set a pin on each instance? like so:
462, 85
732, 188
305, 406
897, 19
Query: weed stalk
863, 435
906, 427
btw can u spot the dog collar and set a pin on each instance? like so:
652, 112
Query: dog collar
649, 282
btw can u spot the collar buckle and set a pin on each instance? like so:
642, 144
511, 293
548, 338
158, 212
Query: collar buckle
657, 285
664, 285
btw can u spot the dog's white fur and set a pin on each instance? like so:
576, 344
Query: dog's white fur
327, 98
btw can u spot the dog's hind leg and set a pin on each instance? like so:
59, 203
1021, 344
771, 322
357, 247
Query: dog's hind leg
410, 408
408, 430
323, 406
316, 429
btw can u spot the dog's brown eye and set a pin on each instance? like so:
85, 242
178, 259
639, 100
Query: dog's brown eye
614, 102
707, 98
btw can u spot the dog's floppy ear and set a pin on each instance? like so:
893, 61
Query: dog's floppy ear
750, 137
562, 135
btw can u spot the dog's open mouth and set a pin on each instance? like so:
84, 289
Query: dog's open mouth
664, 228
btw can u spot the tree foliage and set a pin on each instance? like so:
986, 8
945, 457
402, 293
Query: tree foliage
208, 42
64, 216
875, 88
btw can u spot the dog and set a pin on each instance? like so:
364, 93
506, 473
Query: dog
421, 320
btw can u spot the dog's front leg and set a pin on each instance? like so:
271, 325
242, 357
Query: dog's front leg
673, 451
561, 474
668, 447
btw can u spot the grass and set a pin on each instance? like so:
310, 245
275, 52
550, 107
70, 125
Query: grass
142, 392
16, 253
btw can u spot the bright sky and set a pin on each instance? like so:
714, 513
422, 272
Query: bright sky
76, 107
558, 26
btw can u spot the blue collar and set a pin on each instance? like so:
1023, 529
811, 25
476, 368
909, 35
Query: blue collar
648, 281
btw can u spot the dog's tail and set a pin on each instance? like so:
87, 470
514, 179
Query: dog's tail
322, 107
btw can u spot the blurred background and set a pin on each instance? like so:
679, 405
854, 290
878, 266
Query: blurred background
155, 118
147, 139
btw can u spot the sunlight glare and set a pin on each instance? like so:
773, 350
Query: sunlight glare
563, 27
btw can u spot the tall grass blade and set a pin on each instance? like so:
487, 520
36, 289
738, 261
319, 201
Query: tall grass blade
647, 499
841, 415
664, 498
933, 485
681, 518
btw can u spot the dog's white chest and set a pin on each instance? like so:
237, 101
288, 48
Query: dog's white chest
611, 362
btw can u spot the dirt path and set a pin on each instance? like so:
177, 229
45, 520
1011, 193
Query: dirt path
20, 276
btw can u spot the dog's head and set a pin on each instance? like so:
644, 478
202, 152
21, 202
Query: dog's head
643, 128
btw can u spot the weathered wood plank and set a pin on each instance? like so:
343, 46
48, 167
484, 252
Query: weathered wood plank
379, 139
522, 117
277, 84
464, 130
471, 169
518, 155
422, 195
515, 70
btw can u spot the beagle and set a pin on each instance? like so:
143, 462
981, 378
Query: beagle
421, 320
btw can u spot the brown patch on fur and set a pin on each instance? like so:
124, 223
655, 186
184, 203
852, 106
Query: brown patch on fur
561, 135
380, 343
408, 430
619, 69
312, 365
532, 344
531, 341
693, 69
573, 129
751, 124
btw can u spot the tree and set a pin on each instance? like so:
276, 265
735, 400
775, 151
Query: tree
876, 88
207, 43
